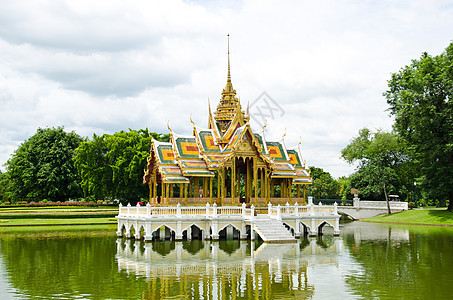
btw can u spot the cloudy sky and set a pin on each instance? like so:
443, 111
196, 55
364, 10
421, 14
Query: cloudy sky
103, 66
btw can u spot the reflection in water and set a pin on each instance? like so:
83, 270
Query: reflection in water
400, 262
367, 261
225, 269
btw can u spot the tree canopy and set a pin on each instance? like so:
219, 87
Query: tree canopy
324, 185
42, 167
420, 98
111, 166
382, 157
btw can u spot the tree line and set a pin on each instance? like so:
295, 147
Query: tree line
54, 165
414, 161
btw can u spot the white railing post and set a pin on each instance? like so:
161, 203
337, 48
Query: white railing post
269, 209
148, 209
310, 200
178, 210
279, 212
356, 201
243, 209
208, 209
252, 211
120, 209
214, 213
137, 209
312, 209
296, 209
335, 206
128, 208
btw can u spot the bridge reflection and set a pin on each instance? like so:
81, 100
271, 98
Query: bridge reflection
226, 269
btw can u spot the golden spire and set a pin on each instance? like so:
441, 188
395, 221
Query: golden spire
228, 103
229, 75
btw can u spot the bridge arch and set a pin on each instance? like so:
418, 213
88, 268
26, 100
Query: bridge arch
305, 228
322, 225
225, 232
193, 232
162, 232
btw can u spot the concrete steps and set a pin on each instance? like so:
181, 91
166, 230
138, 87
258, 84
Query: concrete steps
272, 231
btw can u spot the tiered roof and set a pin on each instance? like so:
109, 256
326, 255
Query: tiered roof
209, 148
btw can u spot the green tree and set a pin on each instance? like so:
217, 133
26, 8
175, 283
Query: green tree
345, 187
4, 187
420, 98
42, 167
324, 185
111, 166
379, 156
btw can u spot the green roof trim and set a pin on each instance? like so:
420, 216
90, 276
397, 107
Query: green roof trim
294, 152
203, 135
161, 157
180, 140
260, 140
280, 147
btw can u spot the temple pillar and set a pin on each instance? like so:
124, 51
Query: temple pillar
155, 190
218, 184
181, 191
171, 190
205, 187
222, 186
162, 197
151, 192
305, 192
167, 192
238, 184
211, 179
255, 180
186, 186
290, 189
233, 179
196, 187
298, 191
248, 181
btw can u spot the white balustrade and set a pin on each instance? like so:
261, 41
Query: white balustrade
213, 211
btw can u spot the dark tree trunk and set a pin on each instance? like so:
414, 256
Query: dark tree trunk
387, 200
450, 204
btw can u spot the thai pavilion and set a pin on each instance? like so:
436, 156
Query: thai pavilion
225, 163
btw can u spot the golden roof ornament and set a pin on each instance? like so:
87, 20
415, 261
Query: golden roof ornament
227, 107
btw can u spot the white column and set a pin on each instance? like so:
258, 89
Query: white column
215, 230
178, 234
189, 233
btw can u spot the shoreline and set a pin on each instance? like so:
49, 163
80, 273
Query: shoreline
405, 223
47, 225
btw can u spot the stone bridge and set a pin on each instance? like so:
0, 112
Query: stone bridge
362, 209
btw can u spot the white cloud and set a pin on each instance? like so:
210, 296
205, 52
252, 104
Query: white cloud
104, 66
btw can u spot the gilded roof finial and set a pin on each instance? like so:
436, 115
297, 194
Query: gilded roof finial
265, 124
229, 76
191, 121
168, 126
283, 137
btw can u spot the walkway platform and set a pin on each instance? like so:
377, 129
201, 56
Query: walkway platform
277, 224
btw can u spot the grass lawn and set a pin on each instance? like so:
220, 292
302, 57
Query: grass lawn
57, 213
56, 216
49, 232
422, 216
46, 222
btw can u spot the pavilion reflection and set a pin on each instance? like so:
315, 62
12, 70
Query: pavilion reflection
226, 269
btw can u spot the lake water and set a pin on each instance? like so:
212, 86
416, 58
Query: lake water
367, 261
